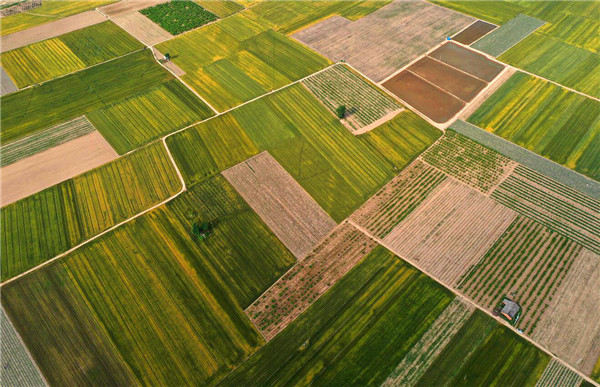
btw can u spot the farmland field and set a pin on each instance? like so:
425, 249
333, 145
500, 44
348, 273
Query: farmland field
365, 104
172, 312
238, 59
371, 317
73, 51
509, 34
49, 11
557, 374
68, 213
474, 32
178, 16
546, 119
221, 8
142, 28
469, 162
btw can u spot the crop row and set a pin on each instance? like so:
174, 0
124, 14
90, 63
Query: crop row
179, 16
557, 374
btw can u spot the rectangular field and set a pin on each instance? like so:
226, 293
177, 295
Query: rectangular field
474, 32
142, 28
557, 374
178, 16
50, 222
468, 61
293, 216
449, 231
403, 31
509, 34
52, 166
7, 85
366, 106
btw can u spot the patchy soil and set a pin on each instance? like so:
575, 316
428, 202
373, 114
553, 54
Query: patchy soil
473, 32
45, 169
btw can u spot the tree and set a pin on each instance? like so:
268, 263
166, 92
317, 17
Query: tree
340, 111
202, 230
167, 57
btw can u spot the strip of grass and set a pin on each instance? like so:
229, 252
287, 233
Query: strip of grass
546, 119
355, 334
49, 11
49, 222
178, 16
166, 305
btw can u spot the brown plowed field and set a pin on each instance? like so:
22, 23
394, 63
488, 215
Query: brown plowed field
388, 207
423, 96
450, 231
473, 32
289, 211
297, 289
468, 61
453, 81
570, 328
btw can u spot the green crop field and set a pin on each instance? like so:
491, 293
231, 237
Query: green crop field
221, 8
73, 51
49, 222
546, 119
482, 353
49, 11
98, 87
178, 16
149, 303
355, 334
147, 115
239, 58
339, 170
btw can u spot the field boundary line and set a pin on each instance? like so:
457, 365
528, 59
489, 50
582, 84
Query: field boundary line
468, 300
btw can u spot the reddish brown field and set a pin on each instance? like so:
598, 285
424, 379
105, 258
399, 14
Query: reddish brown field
453, 81
468, 61
473, 32
423, 96
297, 289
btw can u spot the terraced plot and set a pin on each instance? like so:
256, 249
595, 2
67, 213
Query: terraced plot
70, 52
281, 202
469, 162
366, 106
558, 207
528, 264
450, 230
297, 289
509, 34
48, 223
557, 374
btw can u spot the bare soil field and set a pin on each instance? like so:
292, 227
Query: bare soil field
142, 28
6, 83
45, 169
431, 344
473, 32
450, 231
528, 263
558, 375
289, 211
428, 99
386, 40
297, 289
124, 7
388, 207
468, 61
570, 328
466, 160
50, 30
453, 81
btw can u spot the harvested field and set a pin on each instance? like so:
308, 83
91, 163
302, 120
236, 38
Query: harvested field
47, 168
509, 34
528, 264
469, 162
44, 139
296, 290
18, 368
402, 31
473, 32
365, 104
7, 85
142, 28
293, 216
450, 231
388, 207
557, 375
125, 7
453, 81
570, 328
554, 205
50, 30
424, 96
468, 61
435, 339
